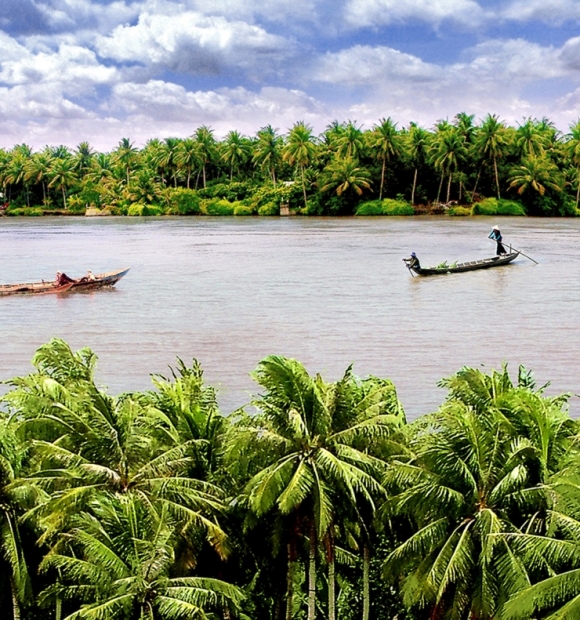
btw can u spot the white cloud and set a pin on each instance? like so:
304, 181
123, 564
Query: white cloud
364, 13
546, 11
196, 44
79, 14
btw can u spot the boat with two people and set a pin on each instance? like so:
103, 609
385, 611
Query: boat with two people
64, 284
414, 265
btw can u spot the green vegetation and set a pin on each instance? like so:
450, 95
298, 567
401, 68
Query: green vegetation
320, 502
488, 168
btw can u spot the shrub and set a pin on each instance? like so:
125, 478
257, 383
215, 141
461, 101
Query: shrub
371, 207
397, 207
140, 210
269, 208
182, 201
493, 206
459, 211
241, 209
215, 206
25, 211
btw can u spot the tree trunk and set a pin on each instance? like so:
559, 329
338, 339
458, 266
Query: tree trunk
15, 604
188, 176
382, 178
273, 172
414, 186
366, 582
312, 574
578, 191
440, 188
496, 177
449, 189
203, 176
476, 182
331, 578
64, 197
304, 187
290, 580
58, 613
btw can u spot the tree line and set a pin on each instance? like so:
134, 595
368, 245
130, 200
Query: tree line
319, 500
332, 173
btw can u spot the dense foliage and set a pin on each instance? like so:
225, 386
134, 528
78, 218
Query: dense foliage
385, 170
319, 502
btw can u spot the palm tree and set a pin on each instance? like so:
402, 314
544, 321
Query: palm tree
83, 158
385, 144
127, 156
572, 149
207, 148
350, 142
313, 441
417, 146
268, 151
300, 151
530, 141
477, 480
345, 175
37, 169
119, 563
448, 150
187, 158
235, 151
15, 569
535, 173
62, 175
491, 142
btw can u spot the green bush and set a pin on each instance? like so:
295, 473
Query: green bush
371, 207
182, 201
215, 206
140, 210
493, 206
269, 208
26, 211
459, 211
241, 209
397, 207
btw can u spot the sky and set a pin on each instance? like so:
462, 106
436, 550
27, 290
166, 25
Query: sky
102, 70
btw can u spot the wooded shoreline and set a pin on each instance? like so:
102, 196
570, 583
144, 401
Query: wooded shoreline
457, 167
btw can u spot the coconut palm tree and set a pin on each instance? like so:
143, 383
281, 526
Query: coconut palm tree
476, 482
572, 150
536, 174
207, 148
235, 151
300, 150
62, 175
417, 147
119, 563
530, 140
127, 156
15, 570
345, 175
268, 151
313, 442
187, 158
37, 170
448, 151
491, 143
385, 144
350, 142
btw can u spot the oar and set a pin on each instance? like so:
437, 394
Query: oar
529, 257
525, 255
409, 268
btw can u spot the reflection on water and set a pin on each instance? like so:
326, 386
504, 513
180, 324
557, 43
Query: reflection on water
329, 292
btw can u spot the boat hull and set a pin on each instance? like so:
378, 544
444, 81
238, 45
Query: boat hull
101, 280
484, 263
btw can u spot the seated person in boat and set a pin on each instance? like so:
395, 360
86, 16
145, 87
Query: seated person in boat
62, 279
495, 234
90, 277
413, 262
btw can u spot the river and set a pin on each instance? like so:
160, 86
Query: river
327, 291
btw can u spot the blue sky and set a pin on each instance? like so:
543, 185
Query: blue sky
101, 70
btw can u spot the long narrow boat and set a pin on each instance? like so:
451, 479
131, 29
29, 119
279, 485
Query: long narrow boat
484, 263
102, 280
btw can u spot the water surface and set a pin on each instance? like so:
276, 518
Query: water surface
329, 292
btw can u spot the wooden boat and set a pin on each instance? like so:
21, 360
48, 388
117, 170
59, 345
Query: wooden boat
101, 280
484, 263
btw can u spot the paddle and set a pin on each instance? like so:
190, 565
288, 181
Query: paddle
409, 268
525, 255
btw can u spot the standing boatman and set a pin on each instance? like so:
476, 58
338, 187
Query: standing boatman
495, 234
